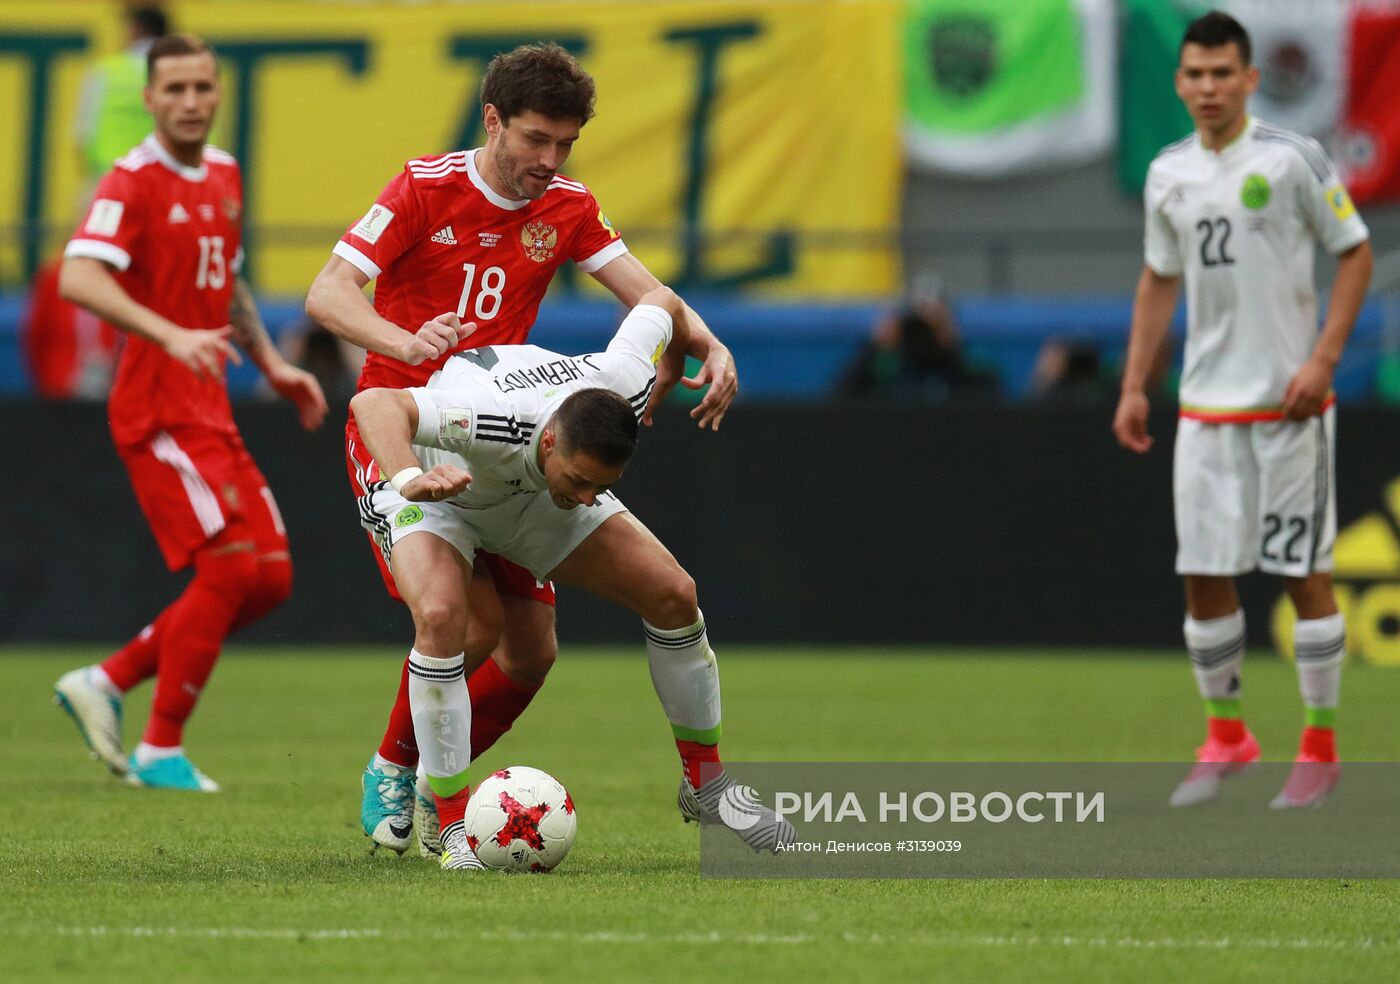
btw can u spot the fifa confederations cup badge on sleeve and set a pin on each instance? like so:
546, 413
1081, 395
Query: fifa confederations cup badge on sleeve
1255, 193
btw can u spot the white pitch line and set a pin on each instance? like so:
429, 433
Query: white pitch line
1365, 943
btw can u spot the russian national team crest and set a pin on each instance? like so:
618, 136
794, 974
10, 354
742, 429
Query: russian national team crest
539, 240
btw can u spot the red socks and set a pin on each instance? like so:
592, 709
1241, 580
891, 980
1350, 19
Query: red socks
701, 761
194, 632
1319, 744
451, 809
496, 703
139, 659
1229, 731
274, 586
399, 745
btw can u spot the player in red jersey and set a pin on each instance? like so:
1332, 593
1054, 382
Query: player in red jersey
158, 256
474, 238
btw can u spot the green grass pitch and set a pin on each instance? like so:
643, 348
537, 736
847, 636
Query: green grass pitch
272, 879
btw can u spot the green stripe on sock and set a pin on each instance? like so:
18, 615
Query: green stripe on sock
448, 786
1320, 717
709, 736
1223, 707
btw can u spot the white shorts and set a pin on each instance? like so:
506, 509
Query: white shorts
528, 529
1256, 495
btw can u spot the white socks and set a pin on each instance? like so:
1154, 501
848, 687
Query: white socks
1319, 646
686, 678
442, 718
1216, 647
146, 754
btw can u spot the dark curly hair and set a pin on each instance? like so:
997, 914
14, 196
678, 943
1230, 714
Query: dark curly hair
544, 78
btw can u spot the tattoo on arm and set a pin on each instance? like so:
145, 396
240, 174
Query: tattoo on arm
248, 329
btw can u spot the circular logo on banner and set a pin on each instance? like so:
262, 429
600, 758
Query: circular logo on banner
408, 516
1255, 193
1290, 70
962, 53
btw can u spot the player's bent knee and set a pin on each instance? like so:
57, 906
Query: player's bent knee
534, 659
527, 669
528, 646
675, 603
274, 582
441, 620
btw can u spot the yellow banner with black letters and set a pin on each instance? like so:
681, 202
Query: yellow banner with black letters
736, 145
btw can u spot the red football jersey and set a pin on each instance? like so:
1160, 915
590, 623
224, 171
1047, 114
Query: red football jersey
438, 239
173, 234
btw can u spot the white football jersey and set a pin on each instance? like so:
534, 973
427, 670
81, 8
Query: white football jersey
485, 410
1242, 226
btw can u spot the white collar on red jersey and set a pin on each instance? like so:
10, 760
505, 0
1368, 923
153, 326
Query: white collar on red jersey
500, 201
165, 157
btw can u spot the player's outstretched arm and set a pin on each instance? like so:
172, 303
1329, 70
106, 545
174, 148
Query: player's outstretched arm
630, 280
287, 380
1152, 317
1308, 389
89, 284
337, 301
387, 420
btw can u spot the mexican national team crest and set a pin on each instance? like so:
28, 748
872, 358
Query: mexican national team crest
539, 239
1255, 193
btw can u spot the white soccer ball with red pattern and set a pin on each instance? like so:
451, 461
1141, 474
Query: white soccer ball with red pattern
521, 819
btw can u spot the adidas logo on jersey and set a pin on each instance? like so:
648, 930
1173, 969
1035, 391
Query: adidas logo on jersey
1366, 573
177, 214
445, 236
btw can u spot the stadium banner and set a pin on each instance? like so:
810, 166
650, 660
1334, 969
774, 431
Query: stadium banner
1328, 69
958, 526
772, 126
1047, 820
1008, 87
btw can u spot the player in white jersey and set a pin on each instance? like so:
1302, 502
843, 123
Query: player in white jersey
511, 449
1237, 209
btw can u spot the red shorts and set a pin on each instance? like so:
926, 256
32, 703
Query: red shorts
511, 579
194, 484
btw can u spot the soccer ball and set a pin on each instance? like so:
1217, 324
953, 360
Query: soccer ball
521, 819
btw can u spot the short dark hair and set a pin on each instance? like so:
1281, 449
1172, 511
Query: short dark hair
1215, 30
149, 21
599, 423
175, 45
544, 78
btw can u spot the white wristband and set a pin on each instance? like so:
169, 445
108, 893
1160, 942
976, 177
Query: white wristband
404, 477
